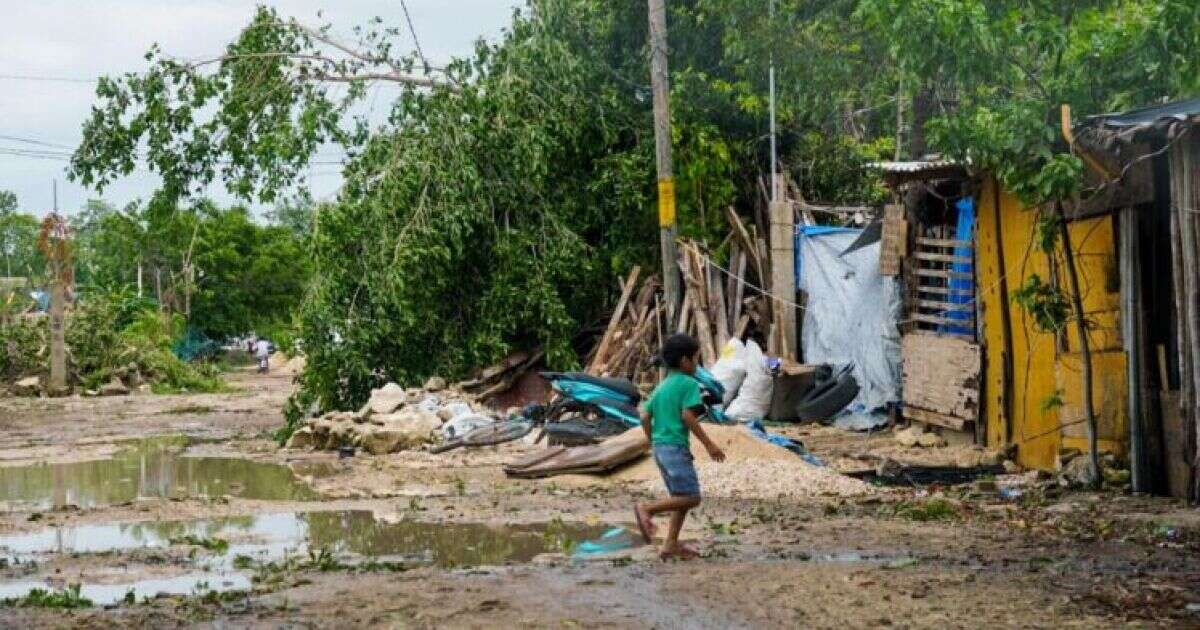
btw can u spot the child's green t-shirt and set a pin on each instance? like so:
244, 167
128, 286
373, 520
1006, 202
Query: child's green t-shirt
666, 404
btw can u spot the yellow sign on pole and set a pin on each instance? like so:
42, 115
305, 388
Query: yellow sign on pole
666, 202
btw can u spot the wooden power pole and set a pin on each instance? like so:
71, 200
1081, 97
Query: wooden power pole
662, 145
53, 242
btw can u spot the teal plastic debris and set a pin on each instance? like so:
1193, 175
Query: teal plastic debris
615, 539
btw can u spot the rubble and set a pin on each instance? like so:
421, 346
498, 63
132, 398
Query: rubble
387, 399
29, 386
114, 388
393, 420
916, 435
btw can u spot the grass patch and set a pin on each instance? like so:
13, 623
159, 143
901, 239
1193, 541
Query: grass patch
187, 409
925, 511
218, 545
68, 598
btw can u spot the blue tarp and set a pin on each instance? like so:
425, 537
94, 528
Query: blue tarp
759, 431
962, 289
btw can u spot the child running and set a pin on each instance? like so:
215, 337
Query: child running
671, 413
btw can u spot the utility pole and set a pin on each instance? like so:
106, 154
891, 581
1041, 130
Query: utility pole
54, 246
783, 244
662, 153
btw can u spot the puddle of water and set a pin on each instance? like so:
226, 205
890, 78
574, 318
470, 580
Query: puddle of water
152, 468
354, 534
106, 594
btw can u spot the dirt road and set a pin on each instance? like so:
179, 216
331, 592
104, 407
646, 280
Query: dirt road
245, 534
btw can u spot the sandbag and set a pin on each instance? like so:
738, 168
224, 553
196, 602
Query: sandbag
753, 400
730, 368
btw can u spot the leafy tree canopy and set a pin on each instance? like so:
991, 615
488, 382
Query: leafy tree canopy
507, 189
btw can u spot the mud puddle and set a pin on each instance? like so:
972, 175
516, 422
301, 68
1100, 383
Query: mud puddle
154, 468
229, 549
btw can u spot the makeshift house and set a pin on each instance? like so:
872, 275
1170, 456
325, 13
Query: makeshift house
1147, 166
975, 361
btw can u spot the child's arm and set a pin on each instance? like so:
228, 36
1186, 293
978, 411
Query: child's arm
647, 421
693, 424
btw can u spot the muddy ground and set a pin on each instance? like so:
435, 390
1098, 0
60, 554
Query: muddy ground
949, 557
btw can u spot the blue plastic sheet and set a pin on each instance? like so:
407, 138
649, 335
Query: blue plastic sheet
759, 431
615, 539
962, 289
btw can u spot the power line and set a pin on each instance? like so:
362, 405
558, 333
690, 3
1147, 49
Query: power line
413, 32
30, 77
43, 143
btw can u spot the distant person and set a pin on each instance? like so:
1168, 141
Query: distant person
669, 416
262, 351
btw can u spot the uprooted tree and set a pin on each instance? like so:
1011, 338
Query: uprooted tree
507, 190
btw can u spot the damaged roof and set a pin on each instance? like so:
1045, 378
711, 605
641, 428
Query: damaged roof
1158, 115
898, 173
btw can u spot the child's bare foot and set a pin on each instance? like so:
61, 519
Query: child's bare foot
679, 552
645, 523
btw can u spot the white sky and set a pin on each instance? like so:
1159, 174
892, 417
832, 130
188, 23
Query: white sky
83, 39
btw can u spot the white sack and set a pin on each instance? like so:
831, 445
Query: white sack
730, 369
753, 400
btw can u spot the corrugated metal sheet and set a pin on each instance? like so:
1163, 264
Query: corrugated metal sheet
1148, 116
912, 167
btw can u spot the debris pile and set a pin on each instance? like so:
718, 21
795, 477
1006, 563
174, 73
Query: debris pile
394, 419
917, 435
719, 303
753, 469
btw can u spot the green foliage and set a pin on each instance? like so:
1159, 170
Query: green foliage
1044, 301
108, 335
22, 341
247, 276
1053, 401
67, 598
18, 240
498, 214
928, 510
217, 545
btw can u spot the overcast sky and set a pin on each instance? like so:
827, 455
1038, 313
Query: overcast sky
52, 50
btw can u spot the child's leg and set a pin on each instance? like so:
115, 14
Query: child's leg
671, 544
670, 504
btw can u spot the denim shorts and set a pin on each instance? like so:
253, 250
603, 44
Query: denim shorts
678, 472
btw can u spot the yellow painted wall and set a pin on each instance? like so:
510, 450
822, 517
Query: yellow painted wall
1040, 367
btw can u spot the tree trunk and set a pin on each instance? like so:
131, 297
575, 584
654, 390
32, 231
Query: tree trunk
1085, 348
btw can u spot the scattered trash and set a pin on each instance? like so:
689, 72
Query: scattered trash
900, 563
615, 539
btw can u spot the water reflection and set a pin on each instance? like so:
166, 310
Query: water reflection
149, 469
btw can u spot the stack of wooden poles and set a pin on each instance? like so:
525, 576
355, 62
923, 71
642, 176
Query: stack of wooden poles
719, 302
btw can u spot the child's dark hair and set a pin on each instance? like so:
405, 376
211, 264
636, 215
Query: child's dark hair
677, 347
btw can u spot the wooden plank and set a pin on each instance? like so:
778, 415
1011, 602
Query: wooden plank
941, 373
739, 288
718, 307
945, 321
618, 313
748, 245
895, 232
945, 273
946, 306
732, 277
945, 290
693, 270
933, 417
966, 260
685, 312
944, 242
